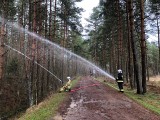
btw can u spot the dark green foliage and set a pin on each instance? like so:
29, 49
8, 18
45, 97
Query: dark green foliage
12, 67
70, 15
60, 21
155, 6
80, 46
152, 58
8, 7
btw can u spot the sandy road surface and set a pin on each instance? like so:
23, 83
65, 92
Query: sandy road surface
95, 101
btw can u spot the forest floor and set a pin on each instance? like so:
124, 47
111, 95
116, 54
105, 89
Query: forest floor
154, 84
92, 100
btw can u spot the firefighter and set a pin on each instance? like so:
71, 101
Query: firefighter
119, 80
67, 86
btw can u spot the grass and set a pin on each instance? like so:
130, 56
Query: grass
47, 108
150, 100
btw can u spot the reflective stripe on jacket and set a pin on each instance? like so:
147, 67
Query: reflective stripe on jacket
119, 80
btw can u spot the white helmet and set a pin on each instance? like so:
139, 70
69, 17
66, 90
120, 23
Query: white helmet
119, 71
68, 78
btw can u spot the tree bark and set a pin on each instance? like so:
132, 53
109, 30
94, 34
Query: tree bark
2, 49
130, 66
158, 46
143, 48
134, 50
55, 13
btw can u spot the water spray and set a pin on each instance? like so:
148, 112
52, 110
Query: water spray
41, 39
61, 48
34, 61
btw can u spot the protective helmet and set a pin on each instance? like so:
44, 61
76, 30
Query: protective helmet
119, 71
68, 78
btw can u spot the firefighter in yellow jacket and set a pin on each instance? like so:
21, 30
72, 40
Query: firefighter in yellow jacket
119, 80
67, 86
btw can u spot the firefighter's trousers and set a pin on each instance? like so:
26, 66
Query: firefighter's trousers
120, 85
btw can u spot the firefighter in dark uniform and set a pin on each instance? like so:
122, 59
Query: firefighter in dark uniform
119, 80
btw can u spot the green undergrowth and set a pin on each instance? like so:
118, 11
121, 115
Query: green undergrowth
150, 100
48, 107
45, 109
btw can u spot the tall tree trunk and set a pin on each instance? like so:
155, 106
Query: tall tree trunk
50, 20
158, 46
43, 79
55, 13
119, 34
2, 49
147, 72
50, 38
27, 63
39, 25
20, 21
134, 50
113, 54
119, 20
130, 65
32, 66
143, 48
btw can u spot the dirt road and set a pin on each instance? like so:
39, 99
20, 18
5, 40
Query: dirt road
95, 101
